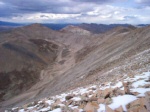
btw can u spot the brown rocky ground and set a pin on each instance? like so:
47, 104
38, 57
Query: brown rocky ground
52, 59
130, 93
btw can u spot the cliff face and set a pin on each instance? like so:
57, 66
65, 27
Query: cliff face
37, 62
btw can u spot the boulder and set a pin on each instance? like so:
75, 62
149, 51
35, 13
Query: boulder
84, 95
25, 106
146, 86
84, 99
119, 109
32, 110
100, 100
147, 100
126, 87
143, 109
93, 88
131, 75
69, 97
82, 104
58, 101
116, 92
76, 110
92, 99
98, 93
108, 109
32, 103
95, 104
14, 110
95, 94
134, 93
40, 106
76, 103
90, 93
54, 106
104, 93
69, 102
66, 109
91, 107
136, 105
108, 101
120, 92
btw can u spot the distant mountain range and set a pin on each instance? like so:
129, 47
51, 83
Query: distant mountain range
93, 27
3, 23
101, 28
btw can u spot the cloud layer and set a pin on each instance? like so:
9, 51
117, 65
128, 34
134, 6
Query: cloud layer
77, 11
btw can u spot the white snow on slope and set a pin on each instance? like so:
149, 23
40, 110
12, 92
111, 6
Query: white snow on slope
119, 84
136, 86
141, 91
122, 100
102, 108
56, 110
139, 83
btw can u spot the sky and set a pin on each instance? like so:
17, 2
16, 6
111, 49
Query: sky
76, 11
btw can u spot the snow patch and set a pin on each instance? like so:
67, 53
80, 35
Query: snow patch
102, 108
122, 100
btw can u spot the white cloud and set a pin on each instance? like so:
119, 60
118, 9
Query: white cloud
41, 17
90, 13
141, 1
113, 14
2, 3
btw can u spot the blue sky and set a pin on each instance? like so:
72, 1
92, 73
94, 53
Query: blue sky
76, 11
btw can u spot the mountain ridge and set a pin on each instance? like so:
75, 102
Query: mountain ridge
72, 60
93, 27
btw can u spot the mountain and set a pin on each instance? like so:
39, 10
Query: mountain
75, 29
3, 23
23, 59
32, 49
101, 28
93, 28
7, 26
57, 26
38, 62
142, 25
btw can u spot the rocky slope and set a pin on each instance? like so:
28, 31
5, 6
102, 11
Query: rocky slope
61, 61
33, 54
128, 93
21, 63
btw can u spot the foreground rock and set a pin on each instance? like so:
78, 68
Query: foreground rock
91, 107
99, 99
147, 100
137, 105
